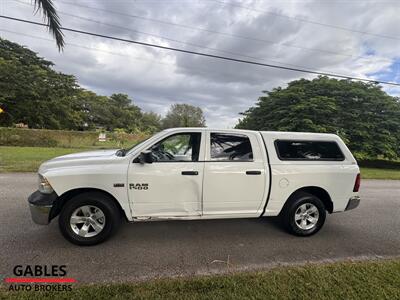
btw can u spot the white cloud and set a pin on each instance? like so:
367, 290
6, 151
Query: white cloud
156, 78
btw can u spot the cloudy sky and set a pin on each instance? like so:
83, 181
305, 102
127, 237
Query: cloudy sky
355, 37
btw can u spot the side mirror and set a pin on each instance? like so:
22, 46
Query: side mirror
146, 157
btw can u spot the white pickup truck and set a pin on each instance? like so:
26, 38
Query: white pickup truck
199, 173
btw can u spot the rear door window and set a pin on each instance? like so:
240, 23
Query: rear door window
230, 147
308, 150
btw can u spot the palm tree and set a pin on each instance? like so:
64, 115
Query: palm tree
53, 21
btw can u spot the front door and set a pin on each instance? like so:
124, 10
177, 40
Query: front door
171, 186
236, 178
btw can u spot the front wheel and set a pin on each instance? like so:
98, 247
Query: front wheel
89, 219
304, 214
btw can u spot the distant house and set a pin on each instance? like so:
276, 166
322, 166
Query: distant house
102, 137
21, 125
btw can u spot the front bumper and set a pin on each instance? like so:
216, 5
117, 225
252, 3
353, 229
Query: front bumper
353, 202
40, 206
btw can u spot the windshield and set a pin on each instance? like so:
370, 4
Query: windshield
123, 152
130, 148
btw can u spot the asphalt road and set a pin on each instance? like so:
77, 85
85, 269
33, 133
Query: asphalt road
154, 249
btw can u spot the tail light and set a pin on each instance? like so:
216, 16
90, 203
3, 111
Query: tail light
357, 183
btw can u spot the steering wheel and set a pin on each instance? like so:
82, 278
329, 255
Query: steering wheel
162, 155
169, 155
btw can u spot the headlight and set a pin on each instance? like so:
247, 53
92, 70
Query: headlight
44, 185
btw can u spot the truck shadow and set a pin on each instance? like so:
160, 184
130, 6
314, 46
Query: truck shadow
201, 229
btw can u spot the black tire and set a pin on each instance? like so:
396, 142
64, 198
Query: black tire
293, 205
112, 218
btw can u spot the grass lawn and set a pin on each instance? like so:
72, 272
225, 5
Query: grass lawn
373, 173
28, 159
348, 280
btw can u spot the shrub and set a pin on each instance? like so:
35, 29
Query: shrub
64, 139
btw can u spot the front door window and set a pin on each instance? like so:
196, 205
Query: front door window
178, 147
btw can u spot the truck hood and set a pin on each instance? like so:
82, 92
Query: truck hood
81, 158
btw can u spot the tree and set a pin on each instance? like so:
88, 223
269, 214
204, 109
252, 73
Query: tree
33, 93
184, 115
367, 118
53, 21
150, 122
120, 101
125, 114
110, 113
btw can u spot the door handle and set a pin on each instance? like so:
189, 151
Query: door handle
253, 172
192, 173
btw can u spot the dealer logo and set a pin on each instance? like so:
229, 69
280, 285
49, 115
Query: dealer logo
40, 278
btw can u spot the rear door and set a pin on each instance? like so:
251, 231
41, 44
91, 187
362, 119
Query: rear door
235, 177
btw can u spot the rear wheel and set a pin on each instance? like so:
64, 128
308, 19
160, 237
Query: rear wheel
304, 214
89, 218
